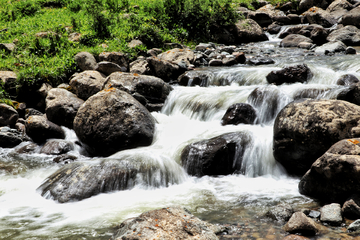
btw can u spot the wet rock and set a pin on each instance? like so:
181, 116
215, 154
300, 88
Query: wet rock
85, 61
352, 17
281, 212
291, 30
27, 148
154, 89
221, 155
260, 61
248, 30
274, 28
300, 223
354, 226
347, 80
39, 128
316, 15
229, 61
349, 35
62, 106
351, 208
64, 158
194, 78
292, 74
239, 113
351, 94
293, 40
306, 45
108, 68
57, 147
306, 129
314, 214
115, 57
10, 138
335, 175
140, 66
331, 214
318, 34
215, 62
8, 115
350, 50
165, 70
239, 57
87, 83
309, 93
267, 102
112, 120
167, 224
79, 180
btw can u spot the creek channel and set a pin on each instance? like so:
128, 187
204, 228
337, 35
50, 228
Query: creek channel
190, 114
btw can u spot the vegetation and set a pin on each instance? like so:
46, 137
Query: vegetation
41, 29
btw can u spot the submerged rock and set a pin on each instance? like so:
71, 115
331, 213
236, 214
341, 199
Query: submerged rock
281, 212
331, 214
306, 129
57, 147
351, 208
112, 120
166, 224
300, 223
221, 155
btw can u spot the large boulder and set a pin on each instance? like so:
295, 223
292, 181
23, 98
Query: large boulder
352, 17
154, 89
331, 47
292, 74
248, 30
119, 58
108, 68
62, 106
178, 56
10, 138
239, 113
87, 83
166, 224
140, 66
112, 120
306, 129
8, 115
85, 61
349, 35
316, 15
221, 155
293, 40
339, 5
335, 176
39, 129
164, 69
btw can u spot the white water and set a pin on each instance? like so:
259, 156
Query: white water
191, 114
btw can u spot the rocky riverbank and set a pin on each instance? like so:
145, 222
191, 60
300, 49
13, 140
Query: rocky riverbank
109, 106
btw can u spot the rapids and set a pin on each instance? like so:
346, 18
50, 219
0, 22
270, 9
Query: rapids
190, 114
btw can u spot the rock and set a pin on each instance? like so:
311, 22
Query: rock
40, 129
260, 61
215, 62
239, 113
314, 214
112, 120
204, 46
154, 89
351, 94
221, 155
7, 47
331, 47
248, 30
165, 70
74, 37
229, 61
9, 78
31, 112
293, 40
281, 212
295, 237
62, 106
108, 68
349, 35
350, 50
335, 175
292, 30
10, 138
154, 52
8, 115
309, 93
274, 28
292, 74
339, 5
239, 57
140, 66
351, 208
262, 18
300, 223
178, 55
352, 17
85, 61
306, 129
135, 43
331, 214
57, 147
64, 158
194, 78
306, 45
304, 5
87, 83
318, 34
80, 180
267, 102
115, 57
347, 80
27, 148
316, 15
166, 224
354, 226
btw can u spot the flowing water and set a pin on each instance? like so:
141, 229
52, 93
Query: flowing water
190, 114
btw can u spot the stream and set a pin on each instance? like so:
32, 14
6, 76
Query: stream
190, 114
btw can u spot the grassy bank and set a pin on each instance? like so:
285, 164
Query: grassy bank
41, 29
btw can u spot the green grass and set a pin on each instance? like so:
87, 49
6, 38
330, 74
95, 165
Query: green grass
111, 23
